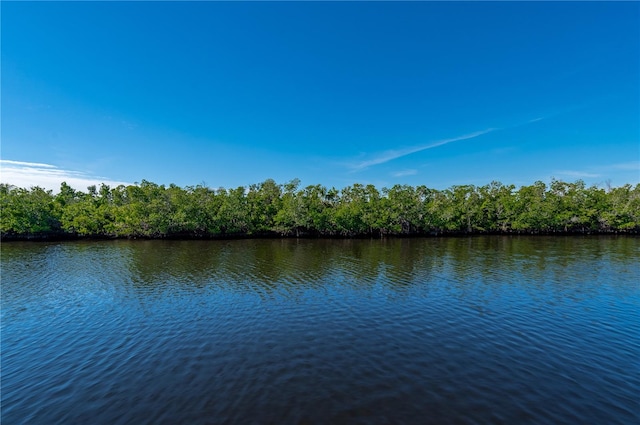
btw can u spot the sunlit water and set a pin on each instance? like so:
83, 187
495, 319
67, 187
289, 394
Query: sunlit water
461, 330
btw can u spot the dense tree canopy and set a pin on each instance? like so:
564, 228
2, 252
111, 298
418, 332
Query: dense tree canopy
155, 211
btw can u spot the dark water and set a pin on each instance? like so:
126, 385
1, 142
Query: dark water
417, 331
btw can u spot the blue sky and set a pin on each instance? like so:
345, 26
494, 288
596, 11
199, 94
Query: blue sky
229, 94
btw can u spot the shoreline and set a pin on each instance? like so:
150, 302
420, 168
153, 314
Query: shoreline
65, 237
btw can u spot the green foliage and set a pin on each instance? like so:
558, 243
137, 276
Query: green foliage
27, 212
156, 211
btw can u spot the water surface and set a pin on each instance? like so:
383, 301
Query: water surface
416, 331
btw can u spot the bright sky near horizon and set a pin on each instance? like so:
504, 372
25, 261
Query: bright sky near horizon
233, 93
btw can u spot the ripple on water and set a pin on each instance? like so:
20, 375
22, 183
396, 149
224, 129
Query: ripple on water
481, 330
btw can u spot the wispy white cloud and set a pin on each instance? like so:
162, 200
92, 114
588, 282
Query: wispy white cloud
576, 174
29, 174
606, 171
395, 154
6, 162
631, 166
404, 173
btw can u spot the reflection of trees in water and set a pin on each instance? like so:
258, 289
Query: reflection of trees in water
280, 264
288, 266
483, 271
542, 265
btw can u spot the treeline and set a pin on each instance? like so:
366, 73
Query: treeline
270, 209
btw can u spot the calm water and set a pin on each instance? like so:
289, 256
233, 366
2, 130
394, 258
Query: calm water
417, 331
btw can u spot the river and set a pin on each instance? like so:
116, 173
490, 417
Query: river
399, 331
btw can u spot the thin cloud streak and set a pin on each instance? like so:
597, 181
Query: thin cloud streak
631, 166
30, 174
577, 174
619, 170
395, 154
27, 164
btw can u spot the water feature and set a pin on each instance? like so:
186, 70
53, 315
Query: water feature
435, 330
